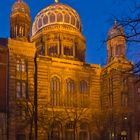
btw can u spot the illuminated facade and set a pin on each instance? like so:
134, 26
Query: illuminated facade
70, 92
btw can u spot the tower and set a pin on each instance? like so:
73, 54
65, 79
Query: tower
20, 21
116, 43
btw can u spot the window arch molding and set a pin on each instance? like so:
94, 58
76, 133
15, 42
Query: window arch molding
84, 86
55, 90
70, 85
56, 75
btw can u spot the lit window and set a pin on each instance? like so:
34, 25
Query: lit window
55, 91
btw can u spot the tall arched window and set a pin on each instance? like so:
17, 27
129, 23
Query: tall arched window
40, 23
45, 19
59, 17
69, 131
83, 134
83, 87
55, 91
55, 133
72, 20
84, 94
69, 92
53, 50
67, 18
52, 17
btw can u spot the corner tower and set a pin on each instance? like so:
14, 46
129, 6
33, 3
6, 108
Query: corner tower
116, 43
20, 21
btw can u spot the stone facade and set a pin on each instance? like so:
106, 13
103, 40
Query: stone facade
47, 72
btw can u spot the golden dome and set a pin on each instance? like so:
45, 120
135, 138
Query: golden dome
56, 13
20, 6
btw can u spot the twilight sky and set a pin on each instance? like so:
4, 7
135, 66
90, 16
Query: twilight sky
96, 16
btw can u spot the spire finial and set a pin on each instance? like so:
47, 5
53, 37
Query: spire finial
115, 22
56, 1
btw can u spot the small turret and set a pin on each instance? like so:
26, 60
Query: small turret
116, 43
20, 21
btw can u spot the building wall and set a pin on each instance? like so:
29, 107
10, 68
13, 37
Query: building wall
3, 90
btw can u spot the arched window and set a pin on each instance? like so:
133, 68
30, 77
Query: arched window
84, 96
72, 20
69, 100
69, 86
69, 131
40, 23
83, 134
67, 18
77, 24
52, 18
45, 19
53, 50
68, 51
59, 17
55, 133
55, 91
83, 87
